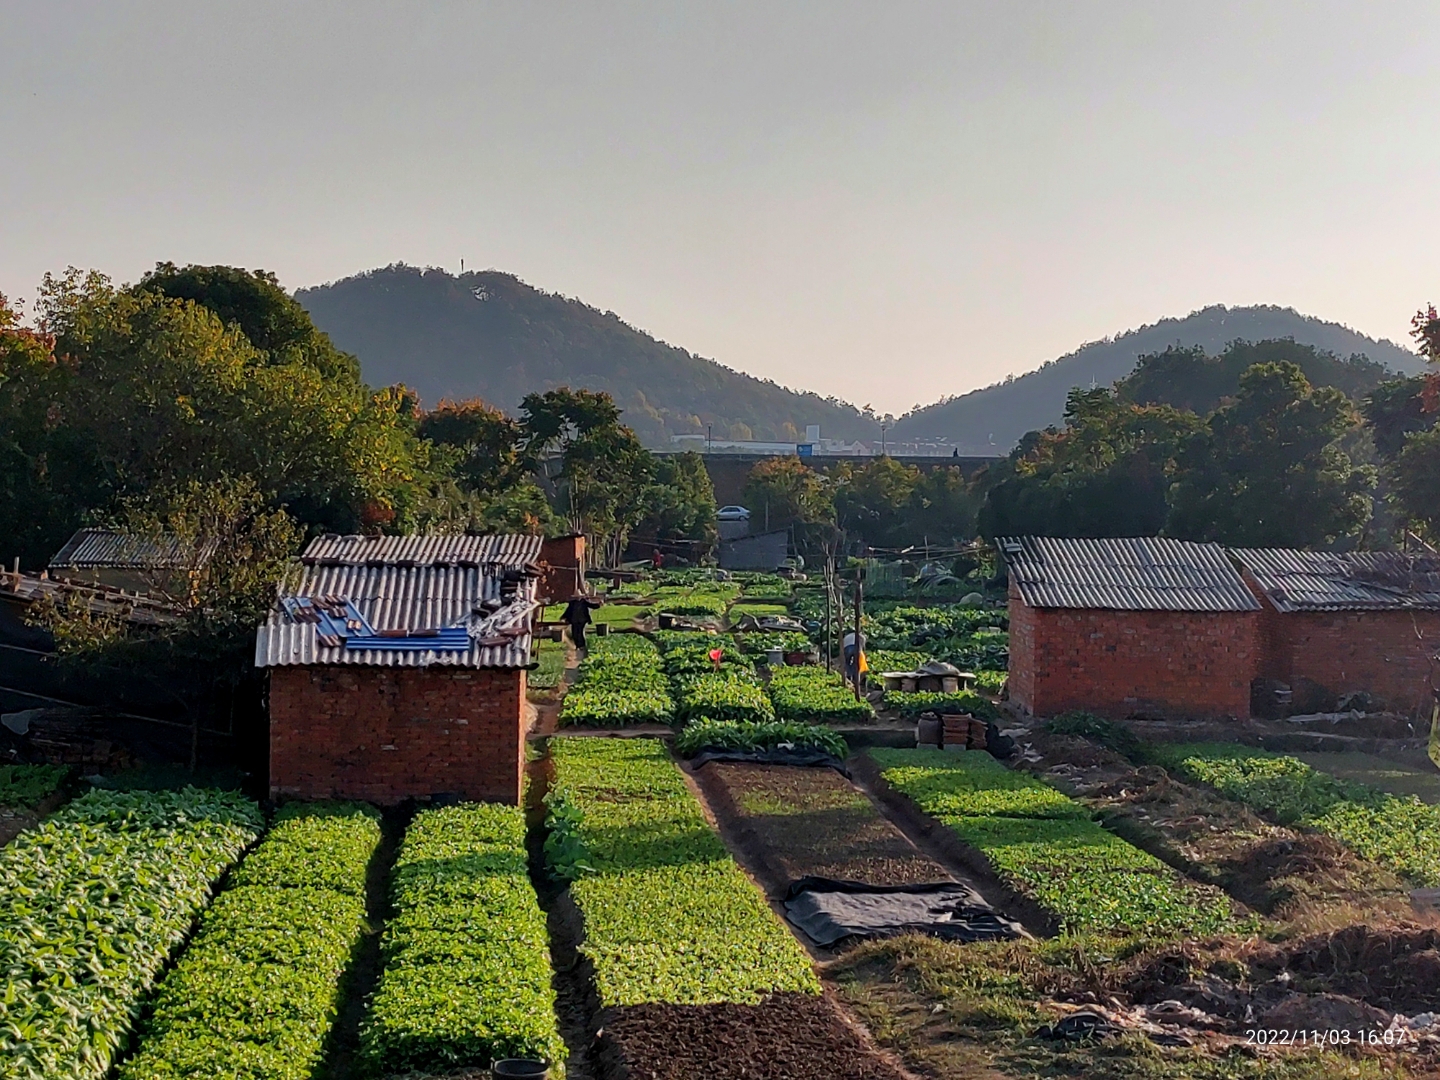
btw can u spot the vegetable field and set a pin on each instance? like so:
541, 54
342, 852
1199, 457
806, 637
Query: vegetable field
669, 917
728, 691
1400, 832
1044, 845
745, 735
619, 682
256, 992
92, 903
814, 694
467, 972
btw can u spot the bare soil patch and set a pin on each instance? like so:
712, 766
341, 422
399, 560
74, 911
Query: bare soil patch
799, 822
794, 1036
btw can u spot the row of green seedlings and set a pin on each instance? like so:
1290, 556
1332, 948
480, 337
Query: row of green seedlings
987, 680
669, 917
256, 992
621, 681
93, 902
466, 975
1046, 847
716, 687
1400, 832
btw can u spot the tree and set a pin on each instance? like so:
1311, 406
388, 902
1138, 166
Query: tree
1404, 416
234, 551
604, 472
680, 506
784, 491
943, 507
253, 300
487, 443
873, 500
146, 393
1266, 471
1106, 473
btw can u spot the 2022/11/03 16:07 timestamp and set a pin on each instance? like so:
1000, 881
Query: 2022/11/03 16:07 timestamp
1318, 1038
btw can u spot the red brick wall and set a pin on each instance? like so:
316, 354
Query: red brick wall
562, 560
1126, 663
1385, 653
387, 734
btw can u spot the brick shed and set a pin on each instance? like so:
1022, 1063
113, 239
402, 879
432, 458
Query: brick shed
1337, 623
1129, 627
397, 668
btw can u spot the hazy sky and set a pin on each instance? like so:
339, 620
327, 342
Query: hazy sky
884, 201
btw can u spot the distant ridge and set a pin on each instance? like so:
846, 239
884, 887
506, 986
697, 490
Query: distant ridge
491, 335
996, 417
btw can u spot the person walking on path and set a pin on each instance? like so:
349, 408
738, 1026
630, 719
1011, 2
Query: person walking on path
577, 614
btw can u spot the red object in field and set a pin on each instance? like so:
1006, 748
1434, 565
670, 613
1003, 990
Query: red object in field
715, 655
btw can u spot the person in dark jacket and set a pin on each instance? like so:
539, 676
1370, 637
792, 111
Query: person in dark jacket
577, 614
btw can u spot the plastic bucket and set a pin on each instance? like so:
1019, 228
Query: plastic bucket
515, 1068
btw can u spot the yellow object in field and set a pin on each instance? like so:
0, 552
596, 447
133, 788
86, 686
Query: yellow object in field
1435, 735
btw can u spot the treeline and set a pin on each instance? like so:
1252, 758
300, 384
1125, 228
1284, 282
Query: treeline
202, 404
1266, 444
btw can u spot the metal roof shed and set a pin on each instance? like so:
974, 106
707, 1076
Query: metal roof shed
1129, 626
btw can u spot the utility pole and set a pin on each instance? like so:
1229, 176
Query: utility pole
859, 615
707, 438
829, 584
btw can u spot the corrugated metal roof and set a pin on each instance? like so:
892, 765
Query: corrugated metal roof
424, 550
402, 598
1142, 573
109, 549
1344, 581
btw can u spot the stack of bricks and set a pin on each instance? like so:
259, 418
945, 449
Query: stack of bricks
956, 734
384, 735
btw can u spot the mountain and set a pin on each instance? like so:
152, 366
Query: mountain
492, 336
993, 419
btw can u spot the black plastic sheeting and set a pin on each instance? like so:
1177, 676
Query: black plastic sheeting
777, 756
829, 910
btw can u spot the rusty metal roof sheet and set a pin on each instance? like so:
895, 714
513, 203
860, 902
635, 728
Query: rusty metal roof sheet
110, 549
1296, 580
1142, 573
423, 549
402, 598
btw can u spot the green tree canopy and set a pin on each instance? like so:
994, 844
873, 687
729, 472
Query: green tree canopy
1266, 471
145, 393
784, 491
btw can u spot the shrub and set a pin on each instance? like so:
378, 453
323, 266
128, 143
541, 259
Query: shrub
1044, 845
707, 734
27, 786
256, 992
92, 903
668, 915
812, 693
467, 972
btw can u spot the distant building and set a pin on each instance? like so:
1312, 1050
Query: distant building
397, 668
1335, 624
111, 559
1129, 627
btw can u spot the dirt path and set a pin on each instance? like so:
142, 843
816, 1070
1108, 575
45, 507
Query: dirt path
342, 1061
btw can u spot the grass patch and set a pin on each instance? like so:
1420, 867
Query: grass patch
550, 657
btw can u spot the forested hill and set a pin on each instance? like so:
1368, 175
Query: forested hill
1000, 414
492, 336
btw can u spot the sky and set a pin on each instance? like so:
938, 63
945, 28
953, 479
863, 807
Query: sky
885, 202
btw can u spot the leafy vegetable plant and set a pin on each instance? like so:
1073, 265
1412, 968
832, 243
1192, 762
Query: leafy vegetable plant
915, 703
707, 734
256, 992
668, 915
27, 786
812, 693
619, 682
1044, 845
92, 903
467, 971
